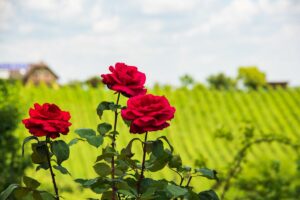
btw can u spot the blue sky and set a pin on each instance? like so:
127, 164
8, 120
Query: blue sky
164, 38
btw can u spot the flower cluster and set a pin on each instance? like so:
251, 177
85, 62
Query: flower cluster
146, 112
120, 174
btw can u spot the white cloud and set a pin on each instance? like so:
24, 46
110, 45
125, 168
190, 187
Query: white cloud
279, 6
96, 12
106, 25
237, 13
56, 9
165, 6
26, 28
154, 25
44, 5
7, 13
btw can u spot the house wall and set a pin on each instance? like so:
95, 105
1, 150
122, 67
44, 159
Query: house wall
41, 75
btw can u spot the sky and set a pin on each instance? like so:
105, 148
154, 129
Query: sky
163, 38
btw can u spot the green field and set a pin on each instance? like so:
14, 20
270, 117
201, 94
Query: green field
199, 112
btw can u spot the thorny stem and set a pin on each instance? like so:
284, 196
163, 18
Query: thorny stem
181, 177
51, 170
113, 144
143, 165
189, 181
181, 181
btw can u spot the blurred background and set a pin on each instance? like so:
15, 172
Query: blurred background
231, 69
80, 38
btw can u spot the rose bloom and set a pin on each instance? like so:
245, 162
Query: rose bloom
47, 120
125, 79
148, 113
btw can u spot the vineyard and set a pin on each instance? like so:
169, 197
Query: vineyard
199, 113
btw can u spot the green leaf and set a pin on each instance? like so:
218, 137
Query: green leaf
191, 195
208, 173
39, 154
95, 141
127, 151
100, 189
27, 139
30, 182
175, 162
208, 195
148, 183
61, 150
126, 193
90, 136
121, 165
21, 192
103, 128
36, 195
176, 191
107, 153
185, 169
159, 157
159, 162
104, 106
166, 139
74, 141
46, 195
8, 191
85, 132
107, 195
114, 107
149, 194
102, 169
158, 148
62, 169
86, 182
44, 165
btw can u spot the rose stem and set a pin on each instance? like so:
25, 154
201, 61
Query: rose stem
143, 165
113, 144
51, 170
189, 181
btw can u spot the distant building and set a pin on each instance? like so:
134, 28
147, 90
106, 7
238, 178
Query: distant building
40, 73
275, 84
29, 73
13, 71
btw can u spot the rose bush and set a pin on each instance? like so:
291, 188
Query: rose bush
47, 120
120, 175
148, 113
125, 79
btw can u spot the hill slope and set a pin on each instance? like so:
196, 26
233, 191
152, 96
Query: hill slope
199, 113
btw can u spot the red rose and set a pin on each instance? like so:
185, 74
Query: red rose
148, 113
125, 79
47, 120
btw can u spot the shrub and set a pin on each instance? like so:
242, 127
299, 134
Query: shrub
11, 164
187, 80
252, 77
221, 81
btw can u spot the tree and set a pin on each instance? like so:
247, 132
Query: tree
11, 163
94, 81
221, 81
187, 80
252, 77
